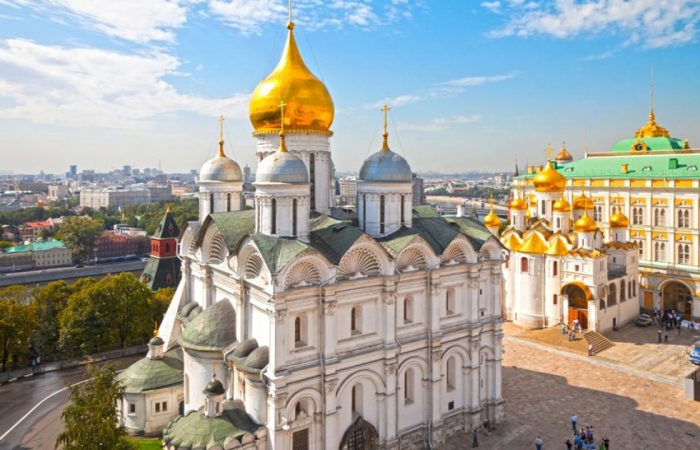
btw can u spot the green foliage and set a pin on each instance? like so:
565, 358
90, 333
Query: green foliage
5, 244
146, 216
90, 421
79, 233
146, 444
160, 302
16, 326
110, 313
49, 303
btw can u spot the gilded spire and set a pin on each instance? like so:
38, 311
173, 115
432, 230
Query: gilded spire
651, 129
290, 24
283, 142
385, 135
155, 329
221, 137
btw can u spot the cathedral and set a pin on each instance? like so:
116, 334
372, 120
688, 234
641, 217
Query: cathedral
560, 267
301, 330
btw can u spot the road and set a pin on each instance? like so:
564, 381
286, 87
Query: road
39, 429
67, 273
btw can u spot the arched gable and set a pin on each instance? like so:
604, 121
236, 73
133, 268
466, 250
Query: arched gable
460, 250
417, 256
456, 350
213, 246
251, 265
312, 394
491, 250
188, 243
365, 258
413, 361
307, 271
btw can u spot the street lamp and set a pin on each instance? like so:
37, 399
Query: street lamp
94, 251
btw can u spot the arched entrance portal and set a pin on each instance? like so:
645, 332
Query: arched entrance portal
578, 295
677, 296
361, 435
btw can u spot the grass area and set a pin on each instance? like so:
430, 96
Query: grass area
147, 444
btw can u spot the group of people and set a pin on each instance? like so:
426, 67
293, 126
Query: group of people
583, 438
668, 319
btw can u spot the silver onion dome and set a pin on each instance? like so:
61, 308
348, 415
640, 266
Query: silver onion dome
220, 168
281, 167
385, 165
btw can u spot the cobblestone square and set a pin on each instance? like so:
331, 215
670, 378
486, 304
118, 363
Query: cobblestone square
542, 389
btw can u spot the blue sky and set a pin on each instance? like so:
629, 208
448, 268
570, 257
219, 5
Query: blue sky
473, 84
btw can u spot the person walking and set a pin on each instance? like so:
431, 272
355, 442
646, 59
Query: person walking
538, 443
568, 444
606, 442
475, 439
574, 420
659, 335
590, 349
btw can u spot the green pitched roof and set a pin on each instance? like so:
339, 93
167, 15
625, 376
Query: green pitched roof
649, 165
653, 144
234, 225
167, 228
156, 272
211, 330
149, 374
37, 246
277, 252
197, 431
333, 238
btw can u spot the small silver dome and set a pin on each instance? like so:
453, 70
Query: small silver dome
220, 168
385, 166
281, 167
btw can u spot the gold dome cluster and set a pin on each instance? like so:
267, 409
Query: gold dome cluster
619, 220
549, 179
518, 204
561, 205
492, 220
583, 202
309, 106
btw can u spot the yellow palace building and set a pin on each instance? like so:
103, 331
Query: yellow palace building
654, 179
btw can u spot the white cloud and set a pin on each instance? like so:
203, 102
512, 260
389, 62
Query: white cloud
401, 100
477, 81
92, 87
494, 6
655, 23
249, 16
599, 56
139, 21
438, 124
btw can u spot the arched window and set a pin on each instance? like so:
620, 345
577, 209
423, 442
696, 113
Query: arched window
312, 179
555, 268
450, 375
408, 310
612, 294
683, 254
601, 304
364, 211
357, 399
637, 216
623, 297
167, 247
660, 251
403, 212
211, 203
543, 207
640, 244
614, 209
273, 218
381, 214
228, 202
299, 332
294, 217
356, 320
634, 287
523, 265
408, 386
450, 301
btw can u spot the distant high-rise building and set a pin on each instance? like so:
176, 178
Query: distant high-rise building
418, 190
348, 190
246, 174
73, 171
126, 170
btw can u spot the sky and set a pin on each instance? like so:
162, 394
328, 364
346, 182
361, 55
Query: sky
473, 85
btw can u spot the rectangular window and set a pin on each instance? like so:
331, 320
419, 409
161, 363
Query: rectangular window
554, 300
132, 408
157, 407
555, 268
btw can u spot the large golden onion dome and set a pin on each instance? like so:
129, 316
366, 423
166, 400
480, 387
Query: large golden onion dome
564, 156
561, 205
308, 105
583, 202
585, 224
619, 220
518, 204
549, 179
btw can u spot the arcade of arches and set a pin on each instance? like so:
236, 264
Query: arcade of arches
676, 296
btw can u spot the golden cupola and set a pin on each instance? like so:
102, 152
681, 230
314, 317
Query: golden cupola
561, 205
583, 202
518, 204
308, 104
563, 156
549, 179
585, 224
492, 220
619, 220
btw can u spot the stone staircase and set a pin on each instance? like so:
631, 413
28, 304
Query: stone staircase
599, 342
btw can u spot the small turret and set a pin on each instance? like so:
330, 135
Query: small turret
214, 393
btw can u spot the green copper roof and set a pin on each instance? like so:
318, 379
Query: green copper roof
38, 246
167, 228
149, 374
211, 330
196, 431
333, 238
686, 165
156, 272
277, 252
653, 144
234, 225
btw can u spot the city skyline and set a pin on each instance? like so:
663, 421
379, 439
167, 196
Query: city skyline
138, 83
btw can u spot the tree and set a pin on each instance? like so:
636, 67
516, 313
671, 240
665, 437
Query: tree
79, 233
160, 303
113, 312
16, 325
49, 303
90, 420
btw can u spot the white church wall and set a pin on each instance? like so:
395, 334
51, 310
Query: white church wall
198, 367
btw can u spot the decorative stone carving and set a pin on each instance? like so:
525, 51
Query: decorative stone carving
278, 315
330, 385
390, 368
329, 309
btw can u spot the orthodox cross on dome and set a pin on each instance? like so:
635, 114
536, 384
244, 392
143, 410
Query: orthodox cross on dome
549, 151
385, 135
283, 143
290, 24
651, 86
221, 136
